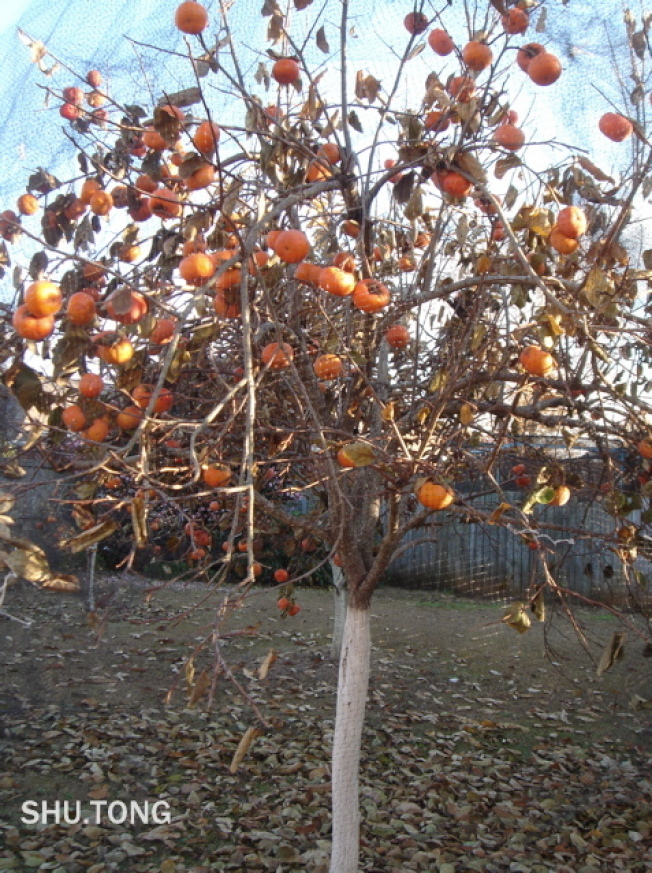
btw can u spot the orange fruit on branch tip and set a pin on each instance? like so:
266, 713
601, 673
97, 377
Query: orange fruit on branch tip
306, 272
142, 395
101, 203
509, 137
97, 431
286, 71
544, 69
281, 575
527, 53
216, 475
30, 327
328, 367
73, 417
371, 296
572, 222
164, 203
397, 336
440, 42
90, 385
129, 418
132, 308
278, 356
291, 246
477, 56
616, 127
196, 268
562, 496
563, 244
536, 361
206, 137
415, 23
191, 17
515, 21
330, 151
432, 495
43, 298
336, 281
163, 331
27, 204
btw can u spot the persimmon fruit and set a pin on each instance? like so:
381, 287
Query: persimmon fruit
336, 281
477, 56
278, 356
73, 417
328, 367
615, 127
572, 222
440, 42
536, 361
43, 298
30, 327
191, 17
371, 296
432, 495
90, 385
286, 71
291, 246
397, 336
544, 69
415, 23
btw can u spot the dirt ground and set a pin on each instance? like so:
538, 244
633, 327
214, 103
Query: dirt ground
135, 652
83, 715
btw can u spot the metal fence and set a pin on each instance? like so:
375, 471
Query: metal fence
492, 561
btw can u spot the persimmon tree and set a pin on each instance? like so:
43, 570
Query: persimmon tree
334, 316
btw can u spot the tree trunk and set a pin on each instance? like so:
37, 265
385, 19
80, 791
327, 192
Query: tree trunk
340, 600
349, 718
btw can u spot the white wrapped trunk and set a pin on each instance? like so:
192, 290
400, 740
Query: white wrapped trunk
349, 718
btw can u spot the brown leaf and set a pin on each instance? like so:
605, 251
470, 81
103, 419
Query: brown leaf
89, 537
538, 605
613, 651
243, 747
139, 521
322, 42
268, 661
470, 165
596, 172
62, 582
200, 688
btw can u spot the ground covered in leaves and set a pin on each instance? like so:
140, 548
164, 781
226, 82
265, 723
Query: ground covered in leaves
484, 750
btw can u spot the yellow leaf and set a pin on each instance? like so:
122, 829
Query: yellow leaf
243, 747
466, 414
359, 454
268, 661
495, 516
139, 521
598, 288
517, 617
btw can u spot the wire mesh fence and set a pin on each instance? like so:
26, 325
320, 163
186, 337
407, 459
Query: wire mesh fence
578, 541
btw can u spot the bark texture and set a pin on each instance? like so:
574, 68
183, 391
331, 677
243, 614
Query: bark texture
349, 718
340, 600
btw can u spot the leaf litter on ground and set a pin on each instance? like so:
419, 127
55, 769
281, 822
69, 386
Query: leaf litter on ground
515, 766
